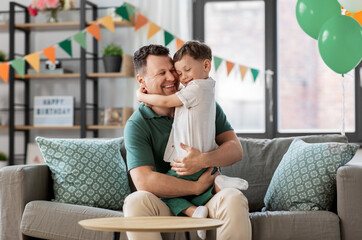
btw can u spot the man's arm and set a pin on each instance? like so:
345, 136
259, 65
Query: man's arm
159, 100
166, 186
228, 152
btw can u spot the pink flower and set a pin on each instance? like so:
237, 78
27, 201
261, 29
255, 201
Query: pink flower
52, 3
32, 11
40, 4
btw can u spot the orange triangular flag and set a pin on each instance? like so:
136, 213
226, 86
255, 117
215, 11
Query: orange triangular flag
152, 30
33, 59
243, 71
179, 43
94, 30
4, 71
140, 22
229, 66
107, 22
50, 54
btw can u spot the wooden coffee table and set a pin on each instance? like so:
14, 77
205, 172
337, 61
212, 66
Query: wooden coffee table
149, 224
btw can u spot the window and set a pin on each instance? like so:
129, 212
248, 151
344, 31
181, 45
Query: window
234, 37
309, 93
304, 97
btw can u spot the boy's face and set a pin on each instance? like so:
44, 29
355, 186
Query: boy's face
189, 69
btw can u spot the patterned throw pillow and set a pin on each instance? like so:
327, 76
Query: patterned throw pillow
87, 171
306, 176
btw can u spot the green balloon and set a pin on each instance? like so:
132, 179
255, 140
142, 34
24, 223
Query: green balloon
340, 43
312, 14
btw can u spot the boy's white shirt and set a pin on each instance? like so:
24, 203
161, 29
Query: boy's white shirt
194, 121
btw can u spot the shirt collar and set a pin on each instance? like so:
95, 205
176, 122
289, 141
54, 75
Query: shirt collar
147, 112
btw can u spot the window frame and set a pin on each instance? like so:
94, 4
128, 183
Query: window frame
271, 61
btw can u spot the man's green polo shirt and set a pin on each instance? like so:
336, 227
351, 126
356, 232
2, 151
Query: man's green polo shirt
146, 135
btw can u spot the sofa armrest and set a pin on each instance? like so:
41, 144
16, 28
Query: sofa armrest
19, 185
349, 200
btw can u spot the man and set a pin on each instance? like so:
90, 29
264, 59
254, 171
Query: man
146, 137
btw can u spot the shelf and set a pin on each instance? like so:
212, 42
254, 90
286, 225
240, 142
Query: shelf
4, 27
57, 26
47, 76
47, 127
4, 127
127, 71
103, 127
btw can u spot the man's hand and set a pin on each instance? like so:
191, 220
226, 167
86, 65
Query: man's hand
206, 180
190, 164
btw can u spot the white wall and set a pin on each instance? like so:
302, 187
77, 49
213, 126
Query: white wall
172, 15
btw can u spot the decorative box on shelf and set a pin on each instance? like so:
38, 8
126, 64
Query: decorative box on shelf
115, 116
54, 111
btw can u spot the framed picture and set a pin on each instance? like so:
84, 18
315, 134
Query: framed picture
33, 154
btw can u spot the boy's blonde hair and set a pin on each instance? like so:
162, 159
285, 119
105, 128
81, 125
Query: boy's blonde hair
195, 49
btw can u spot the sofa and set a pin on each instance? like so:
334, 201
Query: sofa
28, 212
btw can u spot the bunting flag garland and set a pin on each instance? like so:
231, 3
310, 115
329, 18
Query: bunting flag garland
217, 62
179, 43
19, 66
168, 37
140, 21
152, 30
122, 11
95, 31
107, 22
229, 67
66, 45
255, 73
50, 53
130, 9
4, 71
243, 71
125, 11
33, 59
80, 38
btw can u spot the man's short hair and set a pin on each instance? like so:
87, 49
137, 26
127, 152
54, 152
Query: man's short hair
140, 56
195, 49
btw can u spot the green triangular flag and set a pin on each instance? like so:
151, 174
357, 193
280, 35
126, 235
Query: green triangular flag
130, 9
168, 37
255, 73
217, 62
122, 11
19, 66
80, 38
66, 45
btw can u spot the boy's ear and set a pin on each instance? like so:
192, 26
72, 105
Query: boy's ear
207, 65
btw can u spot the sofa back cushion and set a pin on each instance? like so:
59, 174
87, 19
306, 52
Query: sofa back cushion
86, 171
261, 157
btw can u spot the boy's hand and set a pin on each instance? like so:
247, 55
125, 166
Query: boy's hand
140, 92
190, 164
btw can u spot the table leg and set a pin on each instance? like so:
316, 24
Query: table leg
116, 235
187, 234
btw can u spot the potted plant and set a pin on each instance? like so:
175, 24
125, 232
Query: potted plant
3, 160
112, 58
2, 56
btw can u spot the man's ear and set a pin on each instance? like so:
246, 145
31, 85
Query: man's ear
140, 80
207, 65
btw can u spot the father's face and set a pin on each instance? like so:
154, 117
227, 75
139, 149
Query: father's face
160, 77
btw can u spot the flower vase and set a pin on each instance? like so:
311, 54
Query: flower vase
53, 15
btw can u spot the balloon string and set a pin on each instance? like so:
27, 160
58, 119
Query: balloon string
343, 107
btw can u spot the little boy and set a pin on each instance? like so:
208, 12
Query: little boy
194, 123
